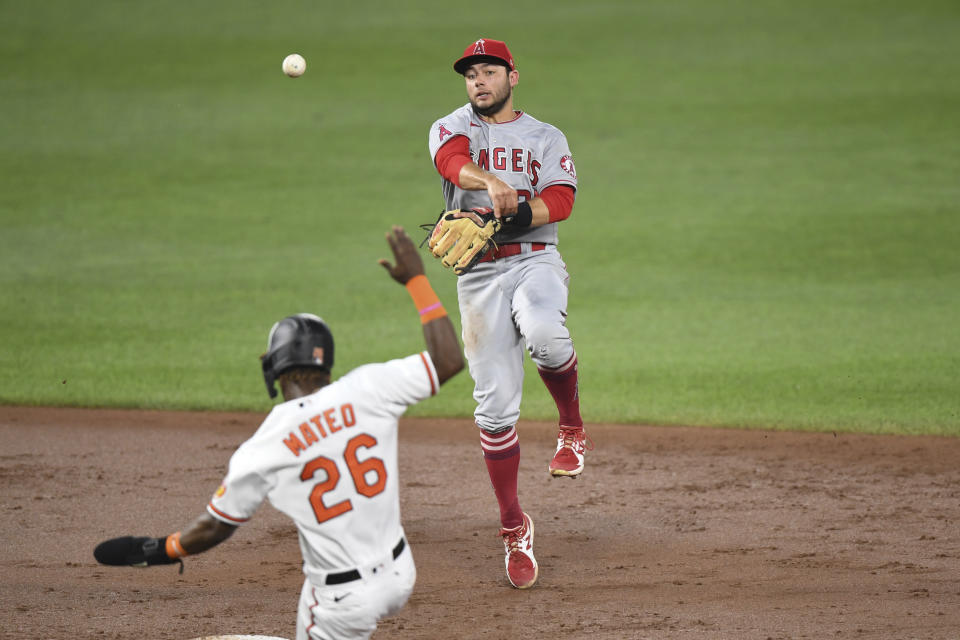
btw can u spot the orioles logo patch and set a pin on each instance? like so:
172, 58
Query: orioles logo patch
566, 163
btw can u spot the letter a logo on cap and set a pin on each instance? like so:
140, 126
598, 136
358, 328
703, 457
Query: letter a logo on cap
478, 49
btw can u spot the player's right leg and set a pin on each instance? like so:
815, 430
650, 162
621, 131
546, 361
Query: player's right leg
352, 609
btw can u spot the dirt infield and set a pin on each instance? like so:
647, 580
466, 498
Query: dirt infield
670, 533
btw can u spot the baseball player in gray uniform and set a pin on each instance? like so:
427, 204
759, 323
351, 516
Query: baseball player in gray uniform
515, 298
327, 457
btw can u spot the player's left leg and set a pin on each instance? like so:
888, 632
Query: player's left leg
494, 353
540, 308
495, 358
395, 586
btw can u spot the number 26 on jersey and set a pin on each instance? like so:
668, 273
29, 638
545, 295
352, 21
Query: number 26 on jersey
369, 477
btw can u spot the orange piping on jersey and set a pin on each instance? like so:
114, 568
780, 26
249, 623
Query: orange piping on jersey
225, 516
433, 384
316, 602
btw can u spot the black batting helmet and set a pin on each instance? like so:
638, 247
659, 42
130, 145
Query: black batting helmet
303, 340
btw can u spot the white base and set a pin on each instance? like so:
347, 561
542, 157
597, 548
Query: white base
239, 638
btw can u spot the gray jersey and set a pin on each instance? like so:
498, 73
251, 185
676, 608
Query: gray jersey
525, 153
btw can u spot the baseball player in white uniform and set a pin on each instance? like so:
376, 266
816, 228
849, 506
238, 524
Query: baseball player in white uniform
327, 457
515, 298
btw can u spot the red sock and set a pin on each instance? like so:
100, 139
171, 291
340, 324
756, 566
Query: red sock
563, 386
501, 452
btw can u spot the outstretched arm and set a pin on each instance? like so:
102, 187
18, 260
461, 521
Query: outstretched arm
203, 533
438, 331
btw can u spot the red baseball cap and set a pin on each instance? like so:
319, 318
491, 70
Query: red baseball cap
484, 48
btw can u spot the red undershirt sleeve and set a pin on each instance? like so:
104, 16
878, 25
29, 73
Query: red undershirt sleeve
455, 153
559, 201
451, 157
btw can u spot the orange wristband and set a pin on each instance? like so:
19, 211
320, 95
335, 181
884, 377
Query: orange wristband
174, 548
425, 299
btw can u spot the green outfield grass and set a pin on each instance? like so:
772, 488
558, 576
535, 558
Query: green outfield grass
767, 232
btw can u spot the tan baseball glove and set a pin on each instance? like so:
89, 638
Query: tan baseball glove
460, 242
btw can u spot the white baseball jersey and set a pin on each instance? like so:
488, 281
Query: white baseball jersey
329, 461
525, 153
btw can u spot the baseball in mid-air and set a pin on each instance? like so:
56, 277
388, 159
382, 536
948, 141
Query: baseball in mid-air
294, 65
